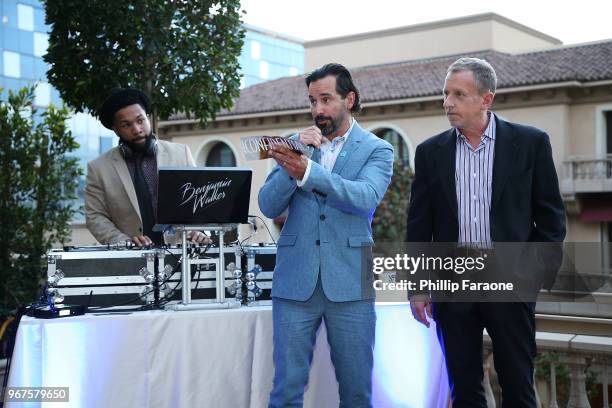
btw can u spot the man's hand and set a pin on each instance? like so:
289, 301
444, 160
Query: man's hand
294, 164
420, 305
311, 136
198, 237
142, 241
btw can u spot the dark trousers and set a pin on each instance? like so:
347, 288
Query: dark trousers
511, 327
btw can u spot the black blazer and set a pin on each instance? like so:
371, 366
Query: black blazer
526, 204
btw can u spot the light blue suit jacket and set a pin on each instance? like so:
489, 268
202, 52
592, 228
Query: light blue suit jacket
328, 228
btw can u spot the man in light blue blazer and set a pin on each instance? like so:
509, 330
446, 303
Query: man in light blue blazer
323, 264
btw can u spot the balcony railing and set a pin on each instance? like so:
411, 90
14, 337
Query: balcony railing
586, 175
570, 369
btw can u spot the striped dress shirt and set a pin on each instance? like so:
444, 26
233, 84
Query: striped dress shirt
473, 185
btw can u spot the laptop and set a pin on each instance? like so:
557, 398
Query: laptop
203, 195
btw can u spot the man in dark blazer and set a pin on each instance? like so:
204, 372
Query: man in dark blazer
485, 180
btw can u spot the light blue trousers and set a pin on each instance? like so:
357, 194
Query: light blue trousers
350, 332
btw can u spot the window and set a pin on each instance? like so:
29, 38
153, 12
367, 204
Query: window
608, 132
106, 143
221, 156
12, 64
25, 17
606, 242
78, 124
39, 20
293, 71
42, 94
264, 70
399, 145
27, 68
41, 43
255, 50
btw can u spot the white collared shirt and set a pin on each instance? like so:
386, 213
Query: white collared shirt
329, 153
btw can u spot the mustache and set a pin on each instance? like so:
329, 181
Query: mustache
321, 118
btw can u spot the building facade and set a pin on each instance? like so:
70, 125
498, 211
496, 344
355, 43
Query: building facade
564, 90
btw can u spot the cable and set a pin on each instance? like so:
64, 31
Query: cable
265, 225
168, 297
136, 299
11, 347
5, 324
199, 268
245, 240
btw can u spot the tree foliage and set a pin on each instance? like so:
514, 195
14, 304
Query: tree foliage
389, 224
182, 53
38, 180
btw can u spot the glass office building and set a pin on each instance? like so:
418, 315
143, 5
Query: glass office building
24, 41
267, 55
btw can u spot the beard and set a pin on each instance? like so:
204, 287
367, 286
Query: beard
140, 148
327, 128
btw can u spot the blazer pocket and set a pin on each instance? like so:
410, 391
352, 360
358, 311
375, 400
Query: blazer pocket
360, 241
286, 240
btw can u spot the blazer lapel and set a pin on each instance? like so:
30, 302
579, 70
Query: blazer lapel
353, 142
505, 153
126, 180
445, 163
162, 155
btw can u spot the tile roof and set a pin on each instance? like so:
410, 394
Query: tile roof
421, 78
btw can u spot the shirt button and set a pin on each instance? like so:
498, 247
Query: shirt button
474, 196
318, 242
322, 217
474, 219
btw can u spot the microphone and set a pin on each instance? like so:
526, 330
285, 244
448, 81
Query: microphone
310, 150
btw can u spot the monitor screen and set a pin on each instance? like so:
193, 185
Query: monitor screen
203, 195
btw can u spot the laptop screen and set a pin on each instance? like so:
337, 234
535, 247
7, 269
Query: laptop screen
203, 195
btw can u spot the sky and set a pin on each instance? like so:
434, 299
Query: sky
577, 22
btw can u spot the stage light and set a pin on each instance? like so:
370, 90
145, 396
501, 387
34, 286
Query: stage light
146, 275
58, 276
57, 298
165, 273
146, 294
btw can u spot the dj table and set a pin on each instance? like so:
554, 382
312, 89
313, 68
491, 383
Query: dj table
210, 358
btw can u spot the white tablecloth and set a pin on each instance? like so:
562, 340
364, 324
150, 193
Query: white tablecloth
211, 358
